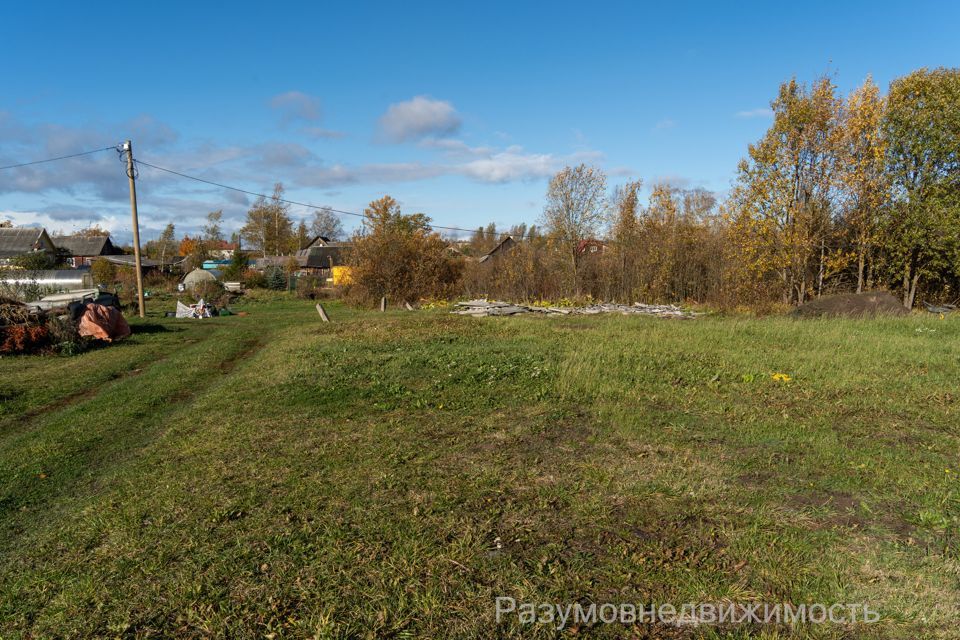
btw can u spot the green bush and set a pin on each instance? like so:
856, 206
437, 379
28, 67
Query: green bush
35, 261
238, 265
311, 288
209, 291
103, 272
254, 279
276, 278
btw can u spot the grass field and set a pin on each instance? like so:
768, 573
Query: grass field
390, 475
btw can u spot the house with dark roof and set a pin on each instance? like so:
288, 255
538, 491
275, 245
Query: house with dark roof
316, 258
319, 241
325, 256
84, 250
18, 241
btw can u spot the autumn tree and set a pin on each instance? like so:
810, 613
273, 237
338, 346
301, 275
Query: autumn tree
302, 235
922, 129
523, 232
93, 231
576, 203
188, 246
863, 179
484, 239
674, 250
625, 235
268, 228
478, 242
256, 229
164, 247
212, 231
326, 223
782, 204
194, 250
398, 256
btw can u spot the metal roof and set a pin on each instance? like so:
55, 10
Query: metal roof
126, 260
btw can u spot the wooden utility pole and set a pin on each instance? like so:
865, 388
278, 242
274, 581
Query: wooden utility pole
131, 174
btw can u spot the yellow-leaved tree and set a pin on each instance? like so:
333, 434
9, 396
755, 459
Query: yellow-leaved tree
864, 183
782, 204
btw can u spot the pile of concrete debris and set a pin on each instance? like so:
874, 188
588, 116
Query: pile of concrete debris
485, 307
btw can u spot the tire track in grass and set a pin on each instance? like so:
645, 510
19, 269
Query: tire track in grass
156, 352
78, 446
75, 397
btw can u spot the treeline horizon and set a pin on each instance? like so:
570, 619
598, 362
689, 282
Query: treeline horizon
841, 194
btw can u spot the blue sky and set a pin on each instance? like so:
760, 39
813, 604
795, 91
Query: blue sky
458, 110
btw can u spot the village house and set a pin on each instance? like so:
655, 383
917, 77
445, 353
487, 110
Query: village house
18, 241
501, 249
84, 250
320, 257
591, 245
221, 249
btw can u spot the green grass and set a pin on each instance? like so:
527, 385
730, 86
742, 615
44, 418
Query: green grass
390, 475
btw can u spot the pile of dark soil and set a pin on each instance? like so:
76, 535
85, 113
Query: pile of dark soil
853, 305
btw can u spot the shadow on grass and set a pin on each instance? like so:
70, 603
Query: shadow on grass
153, 328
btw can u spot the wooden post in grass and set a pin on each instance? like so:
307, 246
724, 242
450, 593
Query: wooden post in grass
383, 303
323, 313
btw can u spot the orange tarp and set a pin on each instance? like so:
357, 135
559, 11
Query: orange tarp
103, 323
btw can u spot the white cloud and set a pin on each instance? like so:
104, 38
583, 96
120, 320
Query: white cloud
296, 105
480, 164
762, 112
65, 221
666, 123
298, 108
453, 147
418, 118
70, 194
284, 154
509, 165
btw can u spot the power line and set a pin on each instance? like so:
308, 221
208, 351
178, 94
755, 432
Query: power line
72, 155
226, 186
284, 200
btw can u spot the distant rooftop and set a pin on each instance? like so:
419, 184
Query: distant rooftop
16, 241
86, 245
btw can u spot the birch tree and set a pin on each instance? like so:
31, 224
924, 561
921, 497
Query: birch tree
576, 203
